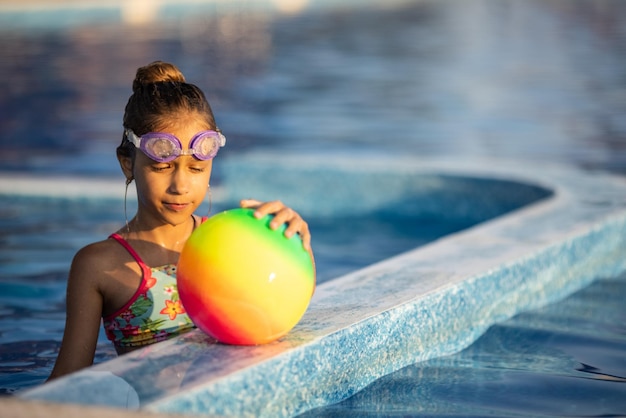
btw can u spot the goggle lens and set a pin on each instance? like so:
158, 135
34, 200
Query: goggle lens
205, 145
159, 149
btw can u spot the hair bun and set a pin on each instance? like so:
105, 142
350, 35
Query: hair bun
157, 72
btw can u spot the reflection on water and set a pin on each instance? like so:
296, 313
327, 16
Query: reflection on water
537, 80
65, 89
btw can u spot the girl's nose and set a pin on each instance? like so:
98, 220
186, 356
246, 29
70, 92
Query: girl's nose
179, 183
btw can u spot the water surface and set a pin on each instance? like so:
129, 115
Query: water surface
566, 359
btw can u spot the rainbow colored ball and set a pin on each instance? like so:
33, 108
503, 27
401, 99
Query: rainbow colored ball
243, 283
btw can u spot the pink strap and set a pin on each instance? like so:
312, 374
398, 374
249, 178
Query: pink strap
126, 245
144, 268
145, 273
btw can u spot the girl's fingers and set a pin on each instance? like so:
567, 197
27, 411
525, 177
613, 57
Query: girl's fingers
282, 215
261, 208
250, 203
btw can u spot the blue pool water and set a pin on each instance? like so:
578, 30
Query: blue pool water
566, 359
534, 80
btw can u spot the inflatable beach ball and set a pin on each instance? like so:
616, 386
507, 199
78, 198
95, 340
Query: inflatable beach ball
243, 283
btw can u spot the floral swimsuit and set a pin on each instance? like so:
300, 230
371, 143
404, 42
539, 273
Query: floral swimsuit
154, 313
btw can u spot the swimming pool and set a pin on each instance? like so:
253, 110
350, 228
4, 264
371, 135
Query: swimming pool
422, 304
565, 359
44, 225
533, 81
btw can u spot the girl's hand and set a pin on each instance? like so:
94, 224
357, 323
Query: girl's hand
282, 214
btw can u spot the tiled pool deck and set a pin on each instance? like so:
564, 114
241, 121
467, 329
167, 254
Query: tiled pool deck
428, 302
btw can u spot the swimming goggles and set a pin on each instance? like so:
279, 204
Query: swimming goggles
164, 147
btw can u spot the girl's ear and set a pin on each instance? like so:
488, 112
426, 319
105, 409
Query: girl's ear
126, 164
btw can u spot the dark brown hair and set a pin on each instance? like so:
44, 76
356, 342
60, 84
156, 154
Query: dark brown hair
160, 97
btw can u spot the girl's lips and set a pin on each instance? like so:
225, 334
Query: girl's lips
176, 206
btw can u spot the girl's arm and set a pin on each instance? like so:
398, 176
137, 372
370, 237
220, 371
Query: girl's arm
84, 312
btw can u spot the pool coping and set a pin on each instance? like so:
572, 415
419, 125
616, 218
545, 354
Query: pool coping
419, 305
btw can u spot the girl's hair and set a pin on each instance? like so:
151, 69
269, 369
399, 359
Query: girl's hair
160, 97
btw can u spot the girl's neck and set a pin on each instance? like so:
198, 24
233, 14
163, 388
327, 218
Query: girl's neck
170, 237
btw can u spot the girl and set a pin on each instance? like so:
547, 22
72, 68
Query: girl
170, 138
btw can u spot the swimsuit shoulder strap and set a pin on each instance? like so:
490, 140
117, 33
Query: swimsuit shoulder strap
144, 268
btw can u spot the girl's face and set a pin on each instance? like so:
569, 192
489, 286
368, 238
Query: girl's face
170, 192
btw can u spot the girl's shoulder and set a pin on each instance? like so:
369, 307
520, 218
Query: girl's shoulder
101, 249
101, 256
93, 269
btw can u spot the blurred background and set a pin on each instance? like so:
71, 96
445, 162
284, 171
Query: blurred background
535, 80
